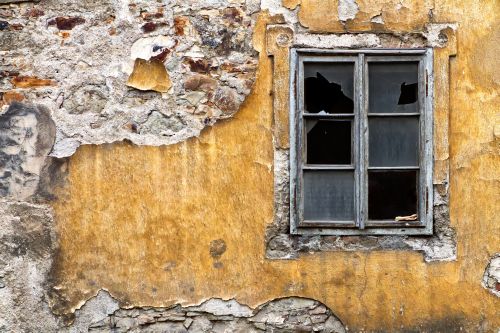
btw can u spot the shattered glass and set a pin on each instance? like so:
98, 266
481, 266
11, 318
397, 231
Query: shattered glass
329, 88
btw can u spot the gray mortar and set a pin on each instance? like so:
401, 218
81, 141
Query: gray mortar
27, 248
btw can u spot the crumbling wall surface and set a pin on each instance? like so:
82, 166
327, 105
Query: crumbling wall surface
27, 249
291, 314
116, 174
194, 59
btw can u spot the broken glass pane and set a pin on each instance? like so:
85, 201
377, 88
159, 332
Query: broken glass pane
328, 141
328, 195
392, 195
328, 87
393, 87
393, 141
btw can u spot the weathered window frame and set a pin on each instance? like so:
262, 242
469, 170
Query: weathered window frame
361, 225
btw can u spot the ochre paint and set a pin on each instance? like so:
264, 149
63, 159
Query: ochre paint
138, 221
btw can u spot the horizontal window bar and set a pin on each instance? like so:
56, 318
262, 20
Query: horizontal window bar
312, 58
389, 58
328, 224
392, 223
332, 231
328, 115
327, 167
395, 168
362, 51
394, 114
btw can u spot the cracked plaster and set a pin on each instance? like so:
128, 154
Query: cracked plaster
88, 96
24, 264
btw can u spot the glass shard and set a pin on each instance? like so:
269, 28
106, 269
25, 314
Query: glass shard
393, 87
328, 87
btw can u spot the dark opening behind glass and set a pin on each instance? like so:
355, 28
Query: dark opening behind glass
392, 194
328, 141
393, 87
328, 87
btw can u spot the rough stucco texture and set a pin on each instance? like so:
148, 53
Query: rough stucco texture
183, 223
198, 65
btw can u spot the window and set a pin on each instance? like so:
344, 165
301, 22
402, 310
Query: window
361, 142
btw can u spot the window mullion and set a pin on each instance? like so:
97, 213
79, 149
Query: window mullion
360, 143
364, 144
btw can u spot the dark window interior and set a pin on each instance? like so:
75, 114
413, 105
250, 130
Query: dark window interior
393, 141
328, 141
329, 87
392, 194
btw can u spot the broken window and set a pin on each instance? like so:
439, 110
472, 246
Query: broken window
362, 158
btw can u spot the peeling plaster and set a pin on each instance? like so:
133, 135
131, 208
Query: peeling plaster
347, 9
87, 92
275, 8
291, 314
491, 277
85, 88
377, 19
336, 40
435, 33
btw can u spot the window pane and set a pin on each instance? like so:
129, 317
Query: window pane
328, 141
328, 195
393, 141
393, 87
392, 194
328, 87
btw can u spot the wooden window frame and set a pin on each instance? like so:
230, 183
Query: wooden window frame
361, 225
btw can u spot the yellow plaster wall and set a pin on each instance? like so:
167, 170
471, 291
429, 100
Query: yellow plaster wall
138, 221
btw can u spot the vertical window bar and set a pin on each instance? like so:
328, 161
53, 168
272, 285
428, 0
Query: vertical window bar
358, 115
422, 144
427, 156
301, 150
363, 144
294, 141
